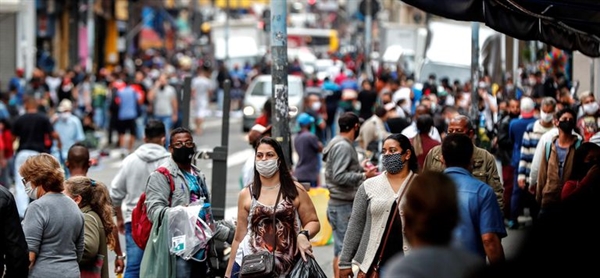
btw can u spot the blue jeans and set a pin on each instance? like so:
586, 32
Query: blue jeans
235, 270
339, 216
134, 255
168, 122
190, 268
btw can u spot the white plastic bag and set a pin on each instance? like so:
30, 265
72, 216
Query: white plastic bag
182, 233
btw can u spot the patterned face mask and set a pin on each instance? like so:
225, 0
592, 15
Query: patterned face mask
393, 163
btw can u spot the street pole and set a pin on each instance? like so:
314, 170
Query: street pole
474, 71
515, 66
226, 34
279, 75
186, 101
89, 64
368, 30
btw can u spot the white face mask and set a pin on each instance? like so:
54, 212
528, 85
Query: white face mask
316, 106
31, 192
546, 117
590, 108
267, 168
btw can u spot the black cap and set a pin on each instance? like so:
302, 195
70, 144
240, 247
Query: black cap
347, 121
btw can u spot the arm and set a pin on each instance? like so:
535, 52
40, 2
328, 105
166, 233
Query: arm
91, 239
309, 220
523, 170
33, 228
118, 192
355, 228
504, 135
493, 248
340, 160
174, 104
81, 241
493, 179
15, 247
157, 195
491, 226
119, 262
241, 228
535, 163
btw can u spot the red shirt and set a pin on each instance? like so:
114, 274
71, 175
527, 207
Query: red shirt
427, 144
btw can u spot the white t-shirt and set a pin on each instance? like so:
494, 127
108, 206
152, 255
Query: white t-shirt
403, 93
163, 101
202, 86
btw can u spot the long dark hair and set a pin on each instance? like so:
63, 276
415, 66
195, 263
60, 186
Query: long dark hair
405, 144
579, 171
288, 187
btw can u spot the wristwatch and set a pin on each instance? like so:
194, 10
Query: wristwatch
121, 257
305, 233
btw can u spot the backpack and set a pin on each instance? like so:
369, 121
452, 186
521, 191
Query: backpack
549, 148
140, 224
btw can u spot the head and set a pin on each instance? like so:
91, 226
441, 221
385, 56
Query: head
548, 109
20, 72
313, 102
256, 132
139, 76
78, 159
155, 132
527, 107
423, 108
565, 121
514, 107
267, 108
65, 106
424, 123
588, 103
349, 124
270, 163
88, 192
30, 103
457, 151
42, 171
366, 85
305, 121
461, 124
586, 156
431, 209
182, 146
398, 155
381, 112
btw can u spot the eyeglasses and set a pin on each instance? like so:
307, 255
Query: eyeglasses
24, 181
179, 144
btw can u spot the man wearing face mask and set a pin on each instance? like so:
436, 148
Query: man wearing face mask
190, 187
164, 103
504, 149
343, 175
588, 120
313, 108
556, 163
484, 163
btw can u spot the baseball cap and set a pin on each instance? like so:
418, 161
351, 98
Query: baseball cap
305, 119
65, 105
527, 107
347, 121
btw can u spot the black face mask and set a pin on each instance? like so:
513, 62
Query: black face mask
183, 155
566, 126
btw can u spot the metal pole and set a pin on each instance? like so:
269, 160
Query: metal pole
515, 64
503, 56
226, 107
219, 158
368, 30
474, 70
227, 34
279, 75
89, 64
185, 101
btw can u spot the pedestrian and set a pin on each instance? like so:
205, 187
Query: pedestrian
430, 218
557, 164
6, 153
484, 163
422, 142
202, 90
127, 100
411, 131
374, 129
126, 187
35, 134
14, 255
68, 127
164, 103
308, 147
256, 132
93, 200
587, 156
53, 224
273, 191
190, 188
78, 163
481, 225
503, 146
343, 175
377, 211
588, 119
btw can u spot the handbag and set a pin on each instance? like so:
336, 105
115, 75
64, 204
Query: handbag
261, 264
374, 270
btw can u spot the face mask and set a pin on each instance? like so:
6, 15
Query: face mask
509, 87
316, 106
590, 108
31, 192
532, 81
566, 126
546, 117
433, 107
464, 103
393, 163
183, 155
267, 168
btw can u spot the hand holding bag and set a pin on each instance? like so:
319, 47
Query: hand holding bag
261, 264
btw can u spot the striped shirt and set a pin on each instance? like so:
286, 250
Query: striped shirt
531, 138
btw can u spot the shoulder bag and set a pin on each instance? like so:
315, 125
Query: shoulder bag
262, 264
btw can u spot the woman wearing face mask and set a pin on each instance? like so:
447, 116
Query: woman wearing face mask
296, 217
588, 121
53, 224
378, 202
93, 200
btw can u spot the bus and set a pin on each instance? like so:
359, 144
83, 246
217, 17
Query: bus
318, 40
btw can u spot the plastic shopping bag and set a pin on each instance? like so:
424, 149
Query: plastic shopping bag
308, 269
320, 197
184, 241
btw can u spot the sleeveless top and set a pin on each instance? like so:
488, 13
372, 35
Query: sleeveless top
260, 233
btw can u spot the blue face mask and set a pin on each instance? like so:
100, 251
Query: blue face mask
393, 163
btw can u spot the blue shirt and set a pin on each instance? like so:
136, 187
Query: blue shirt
70, 131
478, 209
128, 104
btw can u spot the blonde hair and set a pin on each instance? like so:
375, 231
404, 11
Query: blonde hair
94, 194
45, 171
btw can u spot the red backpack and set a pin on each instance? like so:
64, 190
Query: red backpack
140, 224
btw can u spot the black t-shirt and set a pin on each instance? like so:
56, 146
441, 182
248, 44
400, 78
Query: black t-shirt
34, 132
367, 102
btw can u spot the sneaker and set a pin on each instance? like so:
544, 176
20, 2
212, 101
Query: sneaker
513, 225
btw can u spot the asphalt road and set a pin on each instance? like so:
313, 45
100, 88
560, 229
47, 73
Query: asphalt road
239, 152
